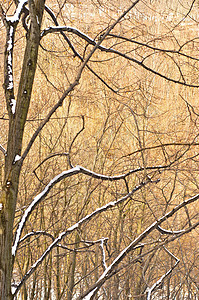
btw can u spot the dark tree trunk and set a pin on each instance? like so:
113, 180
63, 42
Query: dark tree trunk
17, 119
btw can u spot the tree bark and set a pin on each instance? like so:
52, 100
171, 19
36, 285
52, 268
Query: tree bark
17, 119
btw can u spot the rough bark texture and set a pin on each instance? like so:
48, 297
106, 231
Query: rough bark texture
15, 137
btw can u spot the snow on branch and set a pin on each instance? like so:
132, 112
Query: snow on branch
9, 50
18, 11
102, 243
35, 233
135, 243
89, 294
68, 231
36, 201
160, 281
171, 232
49, 186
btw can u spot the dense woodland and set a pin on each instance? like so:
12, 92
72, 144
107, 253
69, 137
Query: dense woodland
99, 149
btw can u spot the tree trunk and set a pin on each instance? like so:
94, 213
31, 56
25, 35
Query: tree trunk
17, 119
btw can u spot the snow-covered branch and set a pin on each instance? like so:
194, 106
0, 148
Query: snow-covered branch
160, 281
133, 244
91, 292
65, 233
102, 243
36, 201
18, 12
171, 232
71, 172
10, 25
107, 273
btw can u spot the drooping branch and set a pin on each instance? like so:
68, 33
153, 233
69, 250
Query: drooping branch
51, 184
111, 50
147, 45
75, 52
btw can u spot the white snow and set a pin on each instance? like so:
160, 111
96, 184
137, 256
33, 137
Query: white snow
9, 50
10, 45
103, 253
89, 295
15, 17
35, 201
13, 105
1, 206
37, 20
17, 157
56, 179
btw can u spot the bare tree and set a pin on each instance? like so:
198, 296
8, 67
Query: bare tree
117, 203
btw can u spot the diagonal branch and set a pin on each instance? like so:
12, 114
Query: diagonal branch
62, 235
160, 281
110, 50
3, 149
68, 173
90, 293
75, 82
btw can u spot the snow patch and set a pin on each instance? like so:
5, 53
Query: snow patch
13, 105
9, 50
10, 45
17, 158
15, 17
37, 20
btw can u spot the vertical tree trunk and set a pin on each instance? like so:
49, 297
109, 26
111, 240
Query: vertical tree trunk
17, 119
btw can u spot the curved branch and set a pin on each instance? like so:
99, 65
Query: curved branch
76, 54
71, 172
156, 48
110, 50
68, 231
170, 232
161, 146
